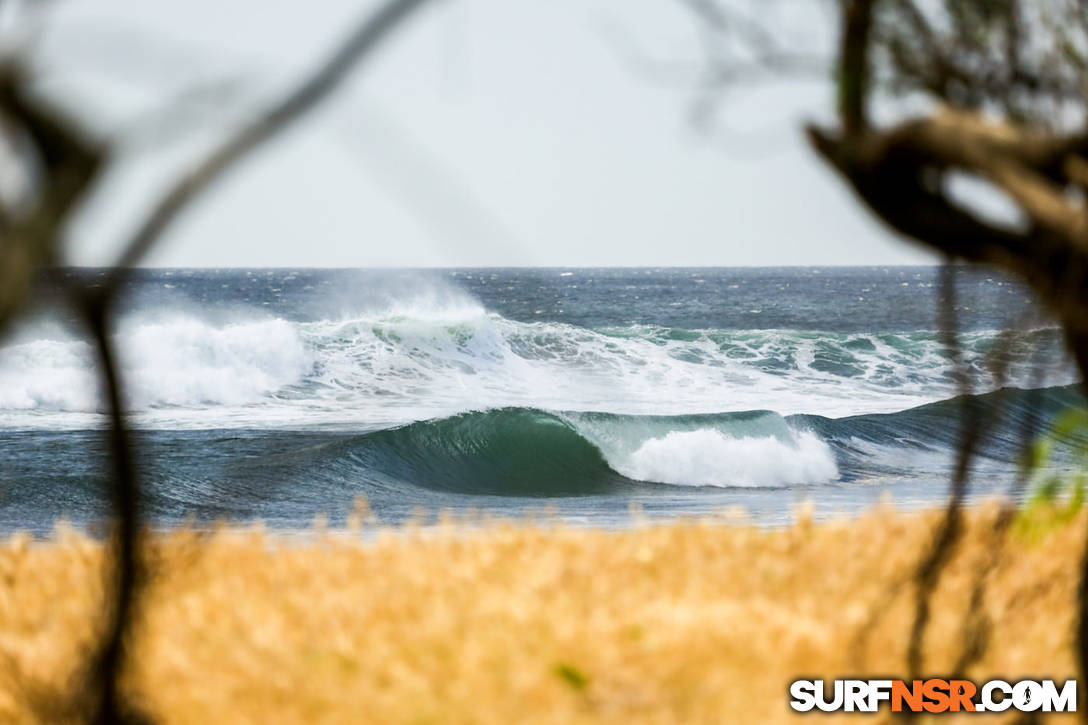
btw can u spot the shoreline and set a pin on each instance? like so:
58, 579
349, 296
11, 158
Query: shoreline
364, 525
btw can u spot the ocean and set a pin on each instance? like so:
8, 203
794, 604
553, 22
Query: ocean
281, 394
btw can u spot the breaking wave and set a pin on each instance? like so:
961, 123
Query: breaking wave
525, 451
533, 452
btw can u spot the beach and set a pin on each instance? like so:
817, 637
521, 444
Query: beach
693, 621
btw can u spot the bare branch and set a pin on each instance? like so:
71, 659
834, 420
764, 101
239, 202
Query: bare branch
68, 163
854, 65
891, 173
125, 496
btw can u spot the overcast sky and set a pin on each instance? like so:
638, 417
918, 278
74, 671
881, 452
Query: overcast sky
489, 133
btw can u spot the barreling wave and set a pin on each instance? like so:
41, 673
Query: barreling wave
532, 452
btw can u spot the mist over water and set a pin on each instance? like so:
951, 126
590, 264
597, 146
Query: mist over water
517, 384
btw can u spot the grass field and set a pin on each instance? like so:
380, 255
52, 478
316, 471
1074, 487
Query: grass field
695, 622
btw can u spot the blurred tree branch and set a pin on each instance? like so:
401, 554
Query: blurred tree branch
1003, 85
64, 166
900, 172
994, 73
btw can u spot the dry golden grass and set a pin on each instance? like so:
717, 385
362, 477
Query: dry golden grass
683, 623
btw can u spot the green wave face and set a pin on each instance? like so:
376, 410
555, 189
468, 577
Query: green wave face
506, 452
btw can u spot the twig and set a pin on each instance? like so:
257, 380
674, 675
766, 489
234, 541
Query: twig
948, 531
125, 498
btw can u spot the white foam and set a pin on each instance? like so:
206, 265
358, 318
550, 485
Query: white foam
708, 457
184, 361
176, 360
469, 359
440, 354
47, 374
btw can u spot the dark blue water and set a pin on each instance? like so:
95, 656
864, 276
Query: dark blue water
834, 299
281, 394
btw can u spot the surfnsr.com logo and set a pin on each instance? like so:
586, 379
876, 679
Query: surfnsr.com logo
933, 696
